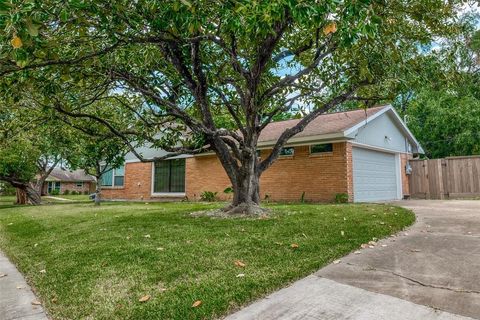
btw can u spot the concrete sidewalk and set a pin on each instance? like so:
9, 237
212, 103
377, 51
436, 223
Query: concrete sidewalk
431, 271
16, 297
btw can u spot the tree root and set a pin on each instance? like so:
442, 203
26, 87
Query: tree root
231, 211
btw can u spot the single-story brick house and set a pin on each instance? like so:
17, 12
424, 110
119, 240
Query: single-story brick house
362, 153
61, 180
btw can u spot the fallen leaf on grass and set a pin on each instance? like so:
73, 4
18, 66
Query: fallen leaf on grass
43, 271
337, 261
160, 249
146, 236
144, 298
342, 233
294, 246
35, 245
196, 303
36, 302
54, 300
240, 275
240, 264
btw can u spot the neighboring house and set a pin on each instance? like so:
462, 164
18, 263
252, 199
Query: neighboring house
61, 180
363, 154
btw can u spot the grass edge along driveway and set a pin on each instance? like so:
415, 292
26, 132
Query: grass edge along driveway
97, 263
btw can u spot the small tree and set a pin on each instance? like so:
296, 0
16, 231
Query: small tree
17, 167
99, 155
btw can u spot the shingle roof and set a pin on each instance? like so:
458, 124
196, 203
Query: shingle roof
59, 174
328, 123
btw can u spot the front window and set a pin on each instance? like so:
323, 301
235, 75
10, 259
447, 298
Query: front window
169, 176
113, 177
53, 186
79, 184
321, 148
287, 151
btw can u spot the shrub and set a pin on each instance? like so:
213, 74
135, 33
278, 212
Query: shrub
54, 192
208, 196
341, 198
66, 192
86, 192
74, 193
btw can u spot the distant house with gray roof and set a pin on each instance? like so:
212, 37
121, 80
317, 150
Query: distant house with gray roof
61, 181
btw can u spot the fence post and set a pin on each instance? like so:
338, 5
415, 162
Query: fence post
427, 180
440, 179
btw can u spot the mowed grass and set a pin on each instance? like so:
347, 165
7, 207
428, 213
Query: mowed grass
100, 261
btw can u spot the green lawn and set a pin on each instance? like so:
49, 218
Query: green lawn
100, 261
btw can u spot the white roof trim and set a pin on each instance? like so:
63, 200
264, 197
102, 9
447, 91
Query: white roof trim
388, 108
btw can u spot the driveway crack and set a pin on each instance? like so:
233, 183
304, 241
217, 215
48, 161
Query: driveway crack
423, 284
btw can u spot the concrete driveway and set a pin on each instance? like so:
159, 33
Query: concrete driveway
431, 271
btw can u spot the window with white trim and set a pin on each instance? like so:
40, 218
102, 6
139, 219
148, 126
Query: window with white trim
53, 186
113, 177
169, 176
79, 184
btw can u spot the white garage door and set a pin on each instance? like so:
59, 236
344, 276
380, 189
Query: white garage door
374, 175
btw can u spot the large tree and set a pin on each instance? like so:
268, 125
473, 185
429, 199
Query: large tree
213, 74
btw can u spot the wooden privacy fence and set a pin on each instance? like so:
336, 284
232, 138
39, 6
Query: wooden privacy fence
453, 177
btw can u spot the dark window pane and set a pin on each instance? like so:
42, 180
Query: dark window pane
162, 172
118, 181
287, 151
320, 148
169, 176
177, 175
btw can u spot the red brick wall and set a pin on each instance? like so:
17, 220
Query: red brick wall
137, 183
319, 176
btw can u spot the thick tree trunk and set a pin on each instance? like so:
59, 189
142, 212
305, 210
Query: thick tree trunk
246, 187
26, 194
21, 196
